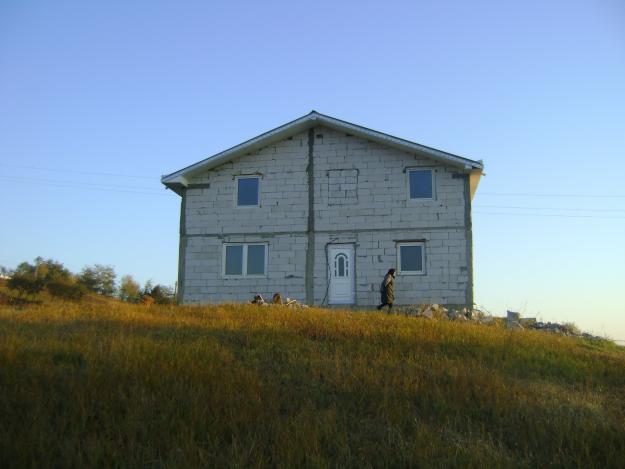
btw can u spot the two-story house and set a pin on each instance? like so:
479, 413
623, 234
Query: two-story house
319, 209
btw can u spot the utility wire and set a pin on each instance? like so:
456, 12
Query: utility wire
79, 183
526, 194
551, 215
157, 178
94, 173
85, 188
554, 208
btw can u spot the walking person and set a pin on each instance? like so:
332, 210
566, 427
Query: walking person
387, 290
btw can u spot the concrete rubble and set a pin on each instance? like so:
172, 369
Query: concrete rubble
513, 319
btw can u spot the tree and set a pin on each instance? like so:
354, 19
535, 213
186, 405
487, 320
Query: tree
147, 288
129, 290
67, 289
46, 270
162, 294
32, 278
99, 278
25, 284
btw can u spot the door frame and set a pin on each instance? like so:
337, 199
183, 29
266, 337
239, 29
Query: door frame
350, 249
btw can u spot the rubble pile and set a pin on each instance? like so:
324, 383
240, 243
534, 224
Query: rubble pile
435, 311
564, 329
513, 320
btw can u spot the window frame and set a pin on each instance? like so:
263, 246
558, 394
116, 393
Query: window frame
420, 168
236, 190
410, 272
244, 273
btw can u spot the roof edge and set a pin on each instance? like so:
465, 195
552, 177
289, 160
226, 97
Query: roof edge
305, 122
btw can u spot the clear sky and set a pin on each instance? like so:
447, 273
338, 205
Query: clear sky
98, 99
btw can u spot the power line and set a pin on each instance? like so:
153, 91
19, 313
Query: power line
84, 188
78, 183
551, 215
527, 194
554, 208
74, 171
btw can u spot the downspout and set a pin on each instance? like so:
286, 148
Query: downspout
182, 247
468, 224
310, 251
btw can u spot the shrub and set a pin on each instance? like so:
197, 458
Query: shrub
66, 290
160, 294
163, 295
45, 270
129, 290
99, 278
25, 283
147, 300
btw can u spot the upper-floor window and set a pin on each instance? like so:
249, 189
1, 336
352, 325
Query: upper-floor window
248, 191
420, 184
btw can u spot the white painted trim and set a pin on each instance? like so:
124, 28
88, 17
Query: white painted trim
420, 168
236, 191
244, 260
410, 243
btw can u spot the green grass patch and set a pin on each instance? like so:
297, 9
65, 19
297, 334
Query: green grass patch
110, 384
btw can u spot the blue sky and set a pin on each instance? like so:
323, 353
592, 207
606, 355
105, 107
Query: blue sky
98, 99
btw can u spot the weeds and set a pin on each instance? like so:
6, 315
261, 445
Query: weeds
112, 384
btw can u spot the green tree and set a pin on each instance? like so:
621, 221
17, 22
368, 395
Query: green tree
32, 278
25, 284
129, 289
147, 288
46, 270
99, 278
162, 294
67, 289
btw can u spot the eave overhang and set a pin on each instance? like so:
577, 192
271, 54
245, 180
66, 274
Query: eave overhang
177, 181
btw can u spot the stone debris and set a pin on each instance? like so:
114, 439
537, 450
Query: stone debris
436, 311
563, 329
512, 320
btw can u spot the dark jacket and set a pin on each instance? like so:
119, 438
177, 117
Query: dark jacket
387, 289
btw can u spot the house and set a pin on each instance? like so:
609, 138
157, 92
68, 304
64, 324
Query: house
319, 209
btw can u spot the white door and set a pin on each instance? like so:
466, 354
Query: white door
341, 269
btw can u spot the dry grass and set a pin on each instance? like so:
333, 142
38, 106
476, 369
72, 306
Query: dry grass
110, 384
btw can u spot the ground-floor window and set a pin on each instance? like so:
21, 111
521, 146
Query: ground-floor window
411, 258
244, 260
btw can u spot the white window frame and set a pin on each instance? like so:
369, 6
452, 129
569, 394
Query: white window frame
411, 272
236, 190
244, 273
420, 168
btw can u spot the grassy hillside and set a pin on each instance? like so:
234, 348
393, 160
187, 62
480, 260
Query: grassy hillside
111, 384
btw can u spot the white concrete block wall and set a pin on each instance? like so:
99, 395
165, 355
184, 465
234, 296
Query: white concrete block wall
283, 193
204, 282
374, 213
444, 281
382, 191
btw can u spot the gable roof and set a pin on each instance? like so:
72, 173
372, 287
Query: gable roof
179, 178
